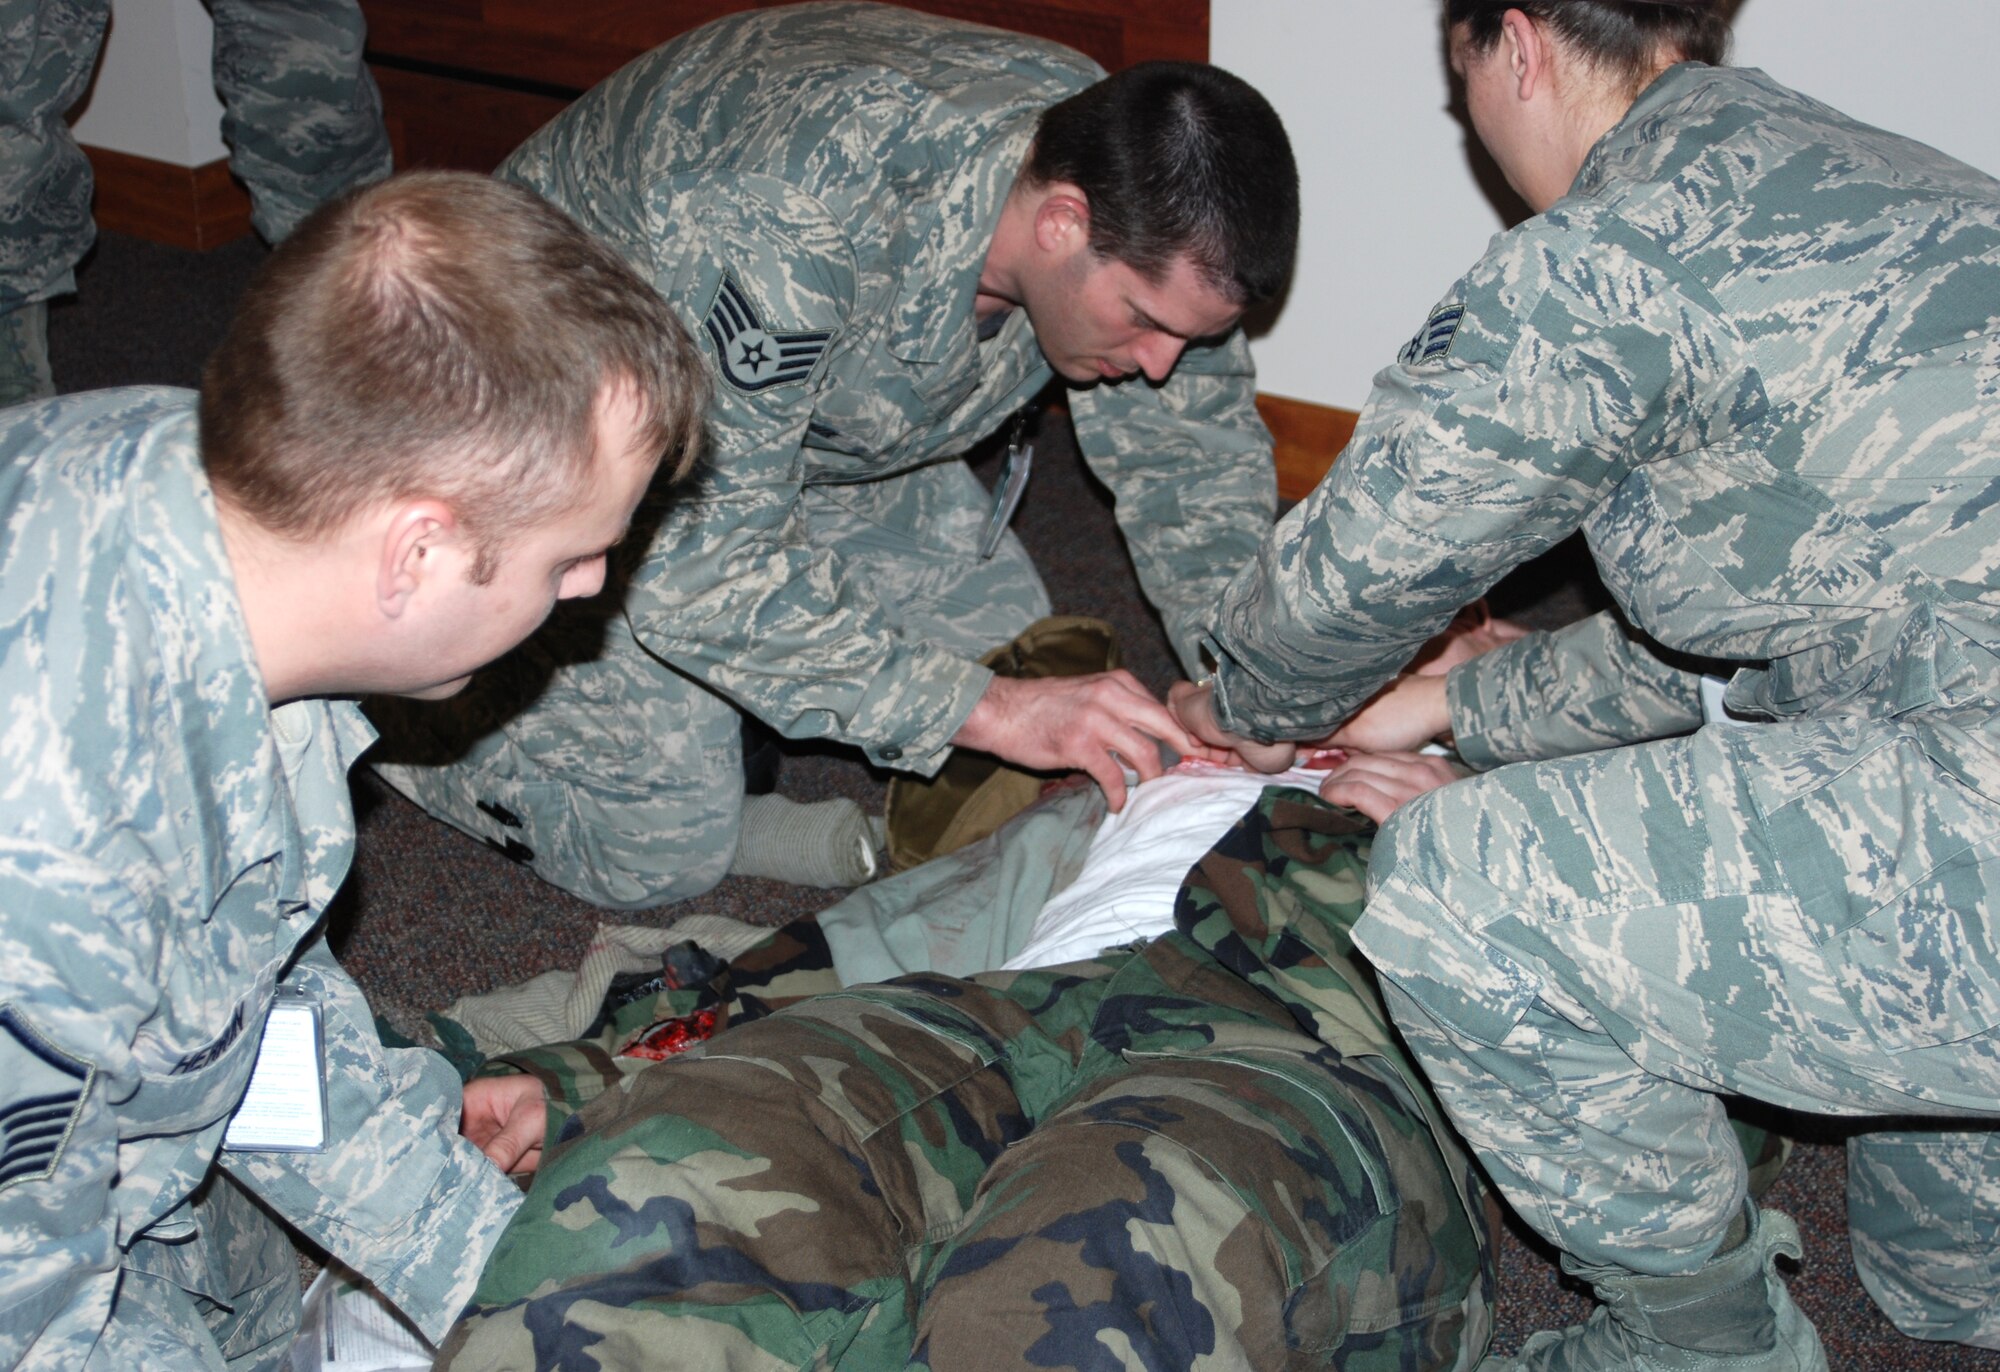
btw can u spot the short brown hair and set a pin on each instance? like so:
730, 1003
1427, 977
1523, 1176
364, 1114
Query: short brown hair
438, 334
1179, 159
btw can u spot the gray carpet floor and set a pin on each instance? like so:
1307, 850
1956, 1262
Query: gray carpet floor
430, 915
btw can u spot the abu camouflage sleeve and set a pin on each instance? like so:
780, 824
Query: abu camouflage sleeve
401, 1197
1591, 685
733, 591
63, 1059
1190, 466
1522, 401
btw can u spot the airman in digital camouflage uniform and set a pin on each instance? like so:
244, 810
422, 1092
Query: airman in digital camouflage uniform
1207, 1151
438, 407
1751, 349
300, 114
888, 232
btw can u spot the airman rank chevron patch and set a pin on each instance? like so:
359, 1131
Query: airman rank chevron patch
752, 357
1433, 340
39, 1103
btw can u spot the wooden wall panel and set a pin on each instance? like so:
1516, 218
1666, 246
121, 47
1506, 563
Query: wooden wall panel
440, 121
464, 81
559, 53
1305, 439
460, 78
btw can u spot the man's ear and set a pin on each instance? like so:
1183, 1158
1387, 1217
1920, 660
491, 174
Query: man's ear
1062, 219
416, 537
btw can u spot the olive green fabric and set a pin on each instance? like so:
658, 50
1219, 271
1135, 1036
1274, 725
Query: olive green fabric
973, 794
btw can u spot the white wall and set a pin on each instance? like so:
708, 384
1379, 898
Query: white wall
1391, 213
153, 96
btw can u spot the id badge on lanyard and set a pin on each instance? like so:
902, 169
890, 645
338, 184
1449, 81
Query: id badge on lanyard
1013, 481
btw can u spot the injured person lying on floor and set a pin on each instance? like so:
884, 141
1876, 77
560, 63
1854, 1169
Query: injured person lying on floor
1202, 1147
1175, 1129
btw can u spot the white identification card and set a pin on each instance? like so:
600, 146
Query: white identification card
284, 1110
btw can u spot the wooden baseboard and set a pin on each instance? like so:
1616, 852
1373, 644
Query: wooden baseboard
1305, 438
183, 207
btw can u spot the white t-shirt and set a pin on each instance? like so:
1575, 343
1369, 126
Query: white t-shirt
1140, 856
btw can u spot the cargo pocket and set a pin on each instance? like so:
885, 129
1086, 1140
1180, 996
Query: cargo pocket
1894, 863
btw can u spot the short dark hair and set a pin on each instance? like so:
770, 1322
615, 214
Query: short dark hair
1623, 38
438, 334
1179, 159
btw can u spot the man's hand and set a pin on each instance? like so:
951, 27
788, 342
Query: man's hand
1378, 784
1076, 723
1194, 707
506, 1117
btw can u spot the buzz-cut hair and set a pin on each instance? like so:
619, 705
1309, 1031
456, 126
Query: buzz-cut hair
439, 335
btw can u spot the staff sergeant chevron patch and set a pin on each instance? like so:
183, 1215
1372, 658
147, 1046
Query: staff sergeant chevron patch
42, 1090
752, 357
